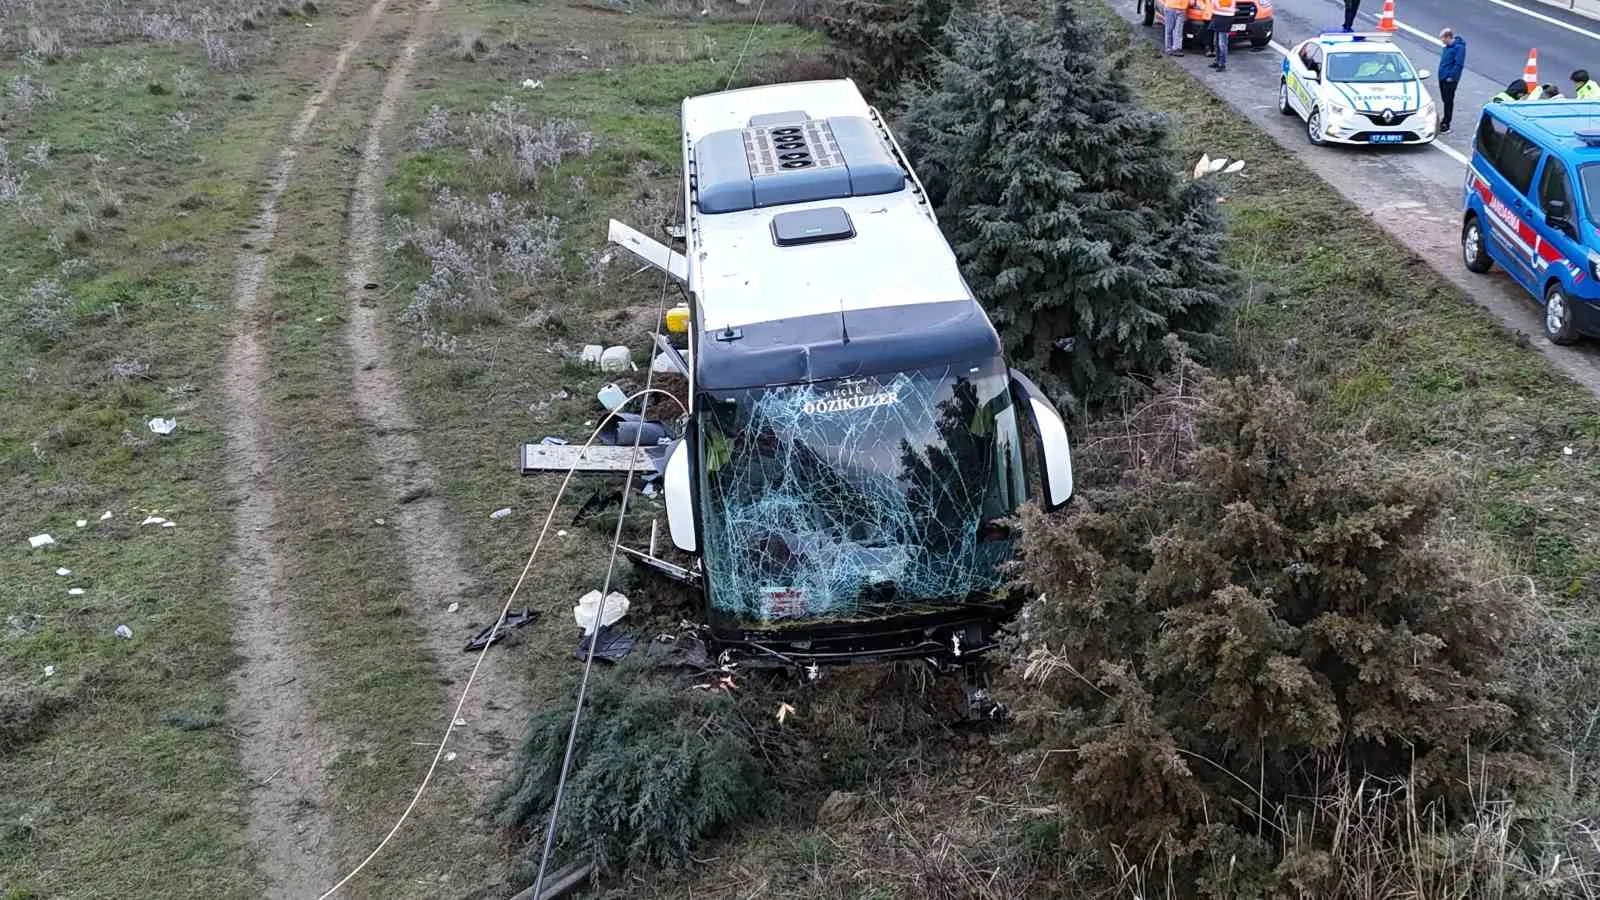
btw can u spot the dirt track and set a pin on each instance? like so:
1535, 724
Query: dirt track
286, 752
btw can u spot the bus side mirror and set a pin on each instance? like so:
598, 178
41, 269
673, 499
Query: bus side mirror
676, 485
1055, 447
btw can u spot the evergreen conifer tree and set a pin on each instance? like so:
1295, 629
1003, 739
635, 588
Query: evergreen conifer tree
1060, 195
889, 41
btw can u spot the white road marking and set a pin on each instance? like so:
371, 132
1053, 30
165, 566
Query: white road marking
1551, 20
1437, 144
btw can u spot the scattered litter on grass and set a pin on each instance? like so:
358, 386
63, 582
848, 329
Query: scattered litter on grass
453, 607
589, 607
616, 359
105, 515
609, 645
561, 394
500, 513
169, 524
612, 397
153, 520
163, 426
124, 631
377, 521
515, 619
49, 671
82, 523
450, 757
40, 540
1566, 451
63, 572
591, 354
561, 533
784, 712
553, 441
460, 723
532, 85
75, 592
1236, 167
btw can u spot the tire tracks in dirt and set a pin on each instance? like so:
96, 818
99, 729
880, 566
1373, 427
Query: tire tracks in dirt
282, 756
434, 551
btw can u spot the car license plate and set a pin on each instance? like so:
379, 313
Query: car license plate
1385, 138
1239, 29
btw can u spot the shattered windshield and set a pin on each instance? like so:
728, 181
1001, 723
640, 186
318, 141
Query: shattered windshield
858, 498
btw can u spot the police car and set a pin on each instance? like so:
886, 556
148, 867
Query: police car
1356, 89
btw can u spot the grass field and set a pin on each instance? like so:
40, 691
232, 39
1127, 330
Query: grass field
133, 167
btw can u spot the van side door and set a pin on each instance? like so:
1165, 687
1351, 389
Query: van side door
1558, 249
1503, 170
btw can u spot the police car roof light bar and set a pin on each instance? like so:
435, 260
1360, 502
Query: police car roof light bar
1355, 36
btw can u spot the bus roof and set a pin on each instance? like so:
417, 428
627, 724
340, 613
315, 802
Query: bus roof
840, 228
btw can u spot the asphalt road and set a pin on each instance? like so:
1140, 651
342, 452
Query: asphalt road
1416, 192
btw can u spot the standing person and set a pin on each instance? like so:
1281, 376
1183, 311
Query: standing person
1452, 62
1350, 8
1172, 16
1586, 89
1222, 13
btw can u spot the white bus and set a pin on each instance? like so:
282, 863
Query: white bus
855, 436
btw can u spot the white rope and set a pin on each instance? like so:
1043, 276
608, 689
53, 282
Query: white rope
544, 530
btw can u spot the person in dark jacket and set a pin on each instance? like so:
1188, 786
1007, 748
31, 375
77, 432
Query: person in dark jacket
1350, 9
1452, 62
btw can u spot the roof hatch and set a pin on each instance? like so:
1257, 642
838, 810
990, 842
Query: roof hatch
812, 226
789, 157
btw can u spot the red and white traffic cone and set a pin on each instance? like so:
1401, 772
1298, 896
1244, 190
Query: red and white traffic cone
1530, 72
1386, 21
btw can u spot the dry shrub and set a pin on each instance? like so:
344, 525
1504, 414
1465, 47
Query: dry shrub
1244, 619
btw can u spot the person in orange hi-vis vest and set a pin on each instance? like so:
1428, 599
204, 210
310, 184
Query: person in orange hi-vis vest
1222, 13
1172, 17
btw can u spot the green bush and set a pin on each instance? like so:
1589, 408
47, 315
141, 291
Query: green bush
1060, 196
888, 42
1243, 634
658, 766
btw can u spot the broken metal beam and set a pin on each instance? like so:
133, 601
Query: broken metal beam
539, 458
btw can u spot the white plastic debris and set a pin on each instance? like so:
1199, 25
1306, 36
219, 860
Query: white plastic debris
1566, 451
1203, 166
1217, 164
532, 85
460, 723
453, 607
589, 607
450, 757
163, 426
616, 359
63, 572
49, 671
561, 533
40, 540
105, 515
81, 523
591, 354
1234, 168
169, 524
612, 397
500, 513
153, 520
124, 631
75, 592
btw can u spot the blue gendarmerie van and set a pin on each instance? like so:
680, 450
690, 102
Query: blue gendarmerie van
1532, 205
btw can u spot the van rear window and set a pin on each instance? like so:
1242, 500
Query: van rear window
1491, 134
